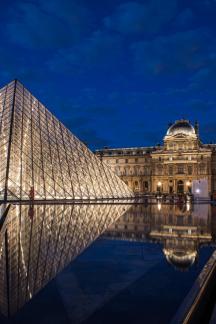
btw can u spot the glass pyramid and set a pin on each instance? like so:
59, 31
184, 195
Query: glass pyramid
42, 159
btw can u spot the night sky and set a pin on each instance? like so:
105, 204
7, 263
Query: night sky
115, 72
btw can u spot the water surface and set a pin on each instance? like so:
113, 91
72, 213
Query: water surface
102, 263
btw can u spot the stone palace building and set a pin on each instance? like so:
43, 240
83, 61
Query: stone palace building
183, 164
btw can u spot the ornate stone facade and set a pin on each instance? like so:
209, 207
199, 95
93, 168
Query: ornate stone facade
169, 168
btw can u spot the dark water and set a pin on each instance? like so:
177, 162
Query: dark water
138, 271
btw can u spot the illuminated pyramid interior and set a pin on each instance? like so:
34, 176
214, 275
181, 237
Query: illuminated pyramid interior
39, 154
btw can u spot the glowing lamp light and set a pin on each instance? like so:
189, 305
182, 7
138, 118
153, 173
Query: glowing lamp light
159, 206
188, 183
159, 183
197, 190
188, 206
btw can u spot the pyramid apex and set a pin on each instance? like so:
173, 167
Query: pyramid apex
51, 163
15, 81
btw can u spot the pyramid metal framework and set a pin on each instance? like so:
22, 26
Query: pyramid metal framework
39, 154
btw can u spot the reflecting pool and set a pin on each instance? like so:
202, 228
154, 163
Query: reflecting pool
101, 263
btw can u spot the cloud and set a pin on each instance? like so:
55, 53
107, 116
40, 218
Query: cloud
46, 24
182, 52
18, 66
85, 120
76, 123
134, 18
99, 52
201, 105
92, 139
149, 137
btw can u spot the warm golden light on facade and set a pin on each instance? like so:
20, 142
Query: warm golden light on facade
180, 239
171, 168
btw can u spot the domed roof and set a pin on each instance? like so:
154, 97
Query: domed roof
179, 259
181, 126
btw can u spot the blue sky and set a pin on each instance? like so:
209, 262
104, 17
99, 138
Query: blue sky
115, 72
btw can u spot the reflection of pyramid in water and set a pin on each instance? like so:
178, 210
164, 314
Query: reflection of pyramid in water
36, 243
39, 153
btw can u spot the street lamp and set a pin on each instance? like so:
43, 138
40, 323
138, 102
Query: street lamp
159, 184
188, 206
188, 184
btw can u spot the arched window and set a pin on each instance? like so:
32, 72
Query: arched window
180, 186
145, 185
136, 186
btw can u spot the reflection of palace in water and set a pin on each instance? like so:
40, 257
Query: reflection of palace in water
36, 243
182, 229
